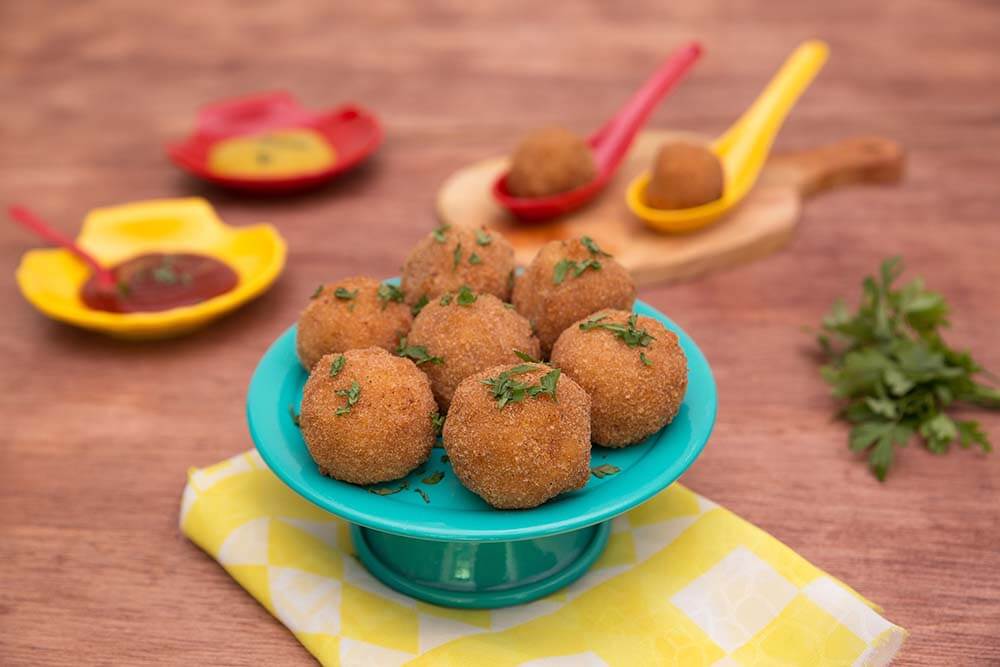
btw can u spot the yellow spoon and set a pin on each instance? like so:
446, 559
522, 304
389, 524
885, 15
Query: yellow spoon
743, 149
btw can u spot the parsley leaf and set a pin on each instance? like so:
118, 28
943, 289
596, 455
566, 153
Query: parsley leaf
475, 259
482, 238
445, 299
524, 356
505, 389
604, 470
344, 293
352, 394
629, 333
337, 366
456, 256
419, 305
387, 293
440, 233
319, 290
895, 373
465, 297
437, 421
592, 246
564, 266
418, 353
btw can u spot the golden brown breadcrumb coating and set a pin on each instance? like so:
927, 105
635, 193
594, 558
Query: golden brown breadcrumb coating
552, 307
334, 324
684, 175
525, 453
631, 399
452, 256
468, 338
549, 161
386, 433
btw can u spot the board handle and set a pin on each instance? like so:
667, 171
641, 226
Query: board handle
855, 160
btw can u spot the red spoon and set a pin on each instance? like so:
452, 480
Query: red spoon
105, 277
608, 144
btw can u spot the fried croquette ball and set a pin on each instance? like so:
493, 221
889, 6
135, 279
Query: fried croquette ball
684, 175
452, 256
632, 367
569, 280
529, 450
549, 161
367, 416
349, 314
466, 333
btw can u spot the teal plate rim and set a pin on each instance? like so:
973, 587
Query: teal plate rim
454, 513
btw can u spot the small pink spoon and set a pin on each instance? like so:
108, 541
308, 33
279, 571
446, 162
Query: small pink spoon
105, 277
608, 144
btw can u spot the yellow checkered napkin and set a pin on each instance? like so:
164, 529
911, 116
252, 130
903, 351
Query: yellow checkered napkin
682, 582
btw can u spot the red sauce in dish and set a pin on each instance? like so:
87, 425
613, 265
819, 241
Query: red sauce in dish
159, 281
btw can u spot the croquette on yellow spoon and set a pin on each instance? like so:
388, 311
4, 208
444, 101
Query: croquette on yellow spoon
742, 150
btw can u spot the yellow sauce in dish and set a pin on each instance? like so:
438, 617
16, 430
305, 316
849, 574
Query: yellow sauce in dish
277, 154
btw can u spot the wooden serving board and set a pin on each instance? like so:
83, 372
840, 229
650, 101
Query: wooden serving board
762, 223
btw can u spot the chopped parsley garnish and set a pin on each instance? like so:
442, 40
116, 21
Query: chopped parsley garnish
344, 293
524, 356
605, 470
352, 394
456, 256
445, 299
465, 297
418, 353
508, 306
165, 273
475, 259
506, 389
644, 359
440, 233
295, 417
594, 249
482, 238
419, 305
564, 266
896, 374
437, 421
337, 365
433, 478
387, 293
389, 490
628, 333
319, 290
423, 494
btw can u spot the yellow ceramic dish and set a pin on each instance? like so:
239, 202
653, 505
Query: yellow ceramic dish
51, 279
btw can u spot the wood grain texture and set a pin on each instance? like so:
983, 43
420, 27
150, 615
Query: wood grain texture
759, 225
97, 435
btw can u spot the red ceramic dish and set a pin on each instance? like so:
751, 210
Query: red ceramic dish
353, 132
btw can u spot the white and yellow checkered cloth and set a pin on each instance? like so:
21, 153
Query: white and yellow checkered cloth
682, 582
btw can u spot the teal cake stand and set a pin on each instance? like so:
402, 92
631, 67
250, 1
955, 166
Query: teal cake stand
451, 548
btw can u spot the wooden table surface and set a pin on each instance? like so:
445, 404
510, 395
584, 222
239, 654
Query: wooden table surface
98, 435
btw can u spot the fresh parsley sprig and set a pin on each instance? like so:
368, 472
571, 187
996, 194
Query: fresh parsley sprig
565, 266
898, 377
